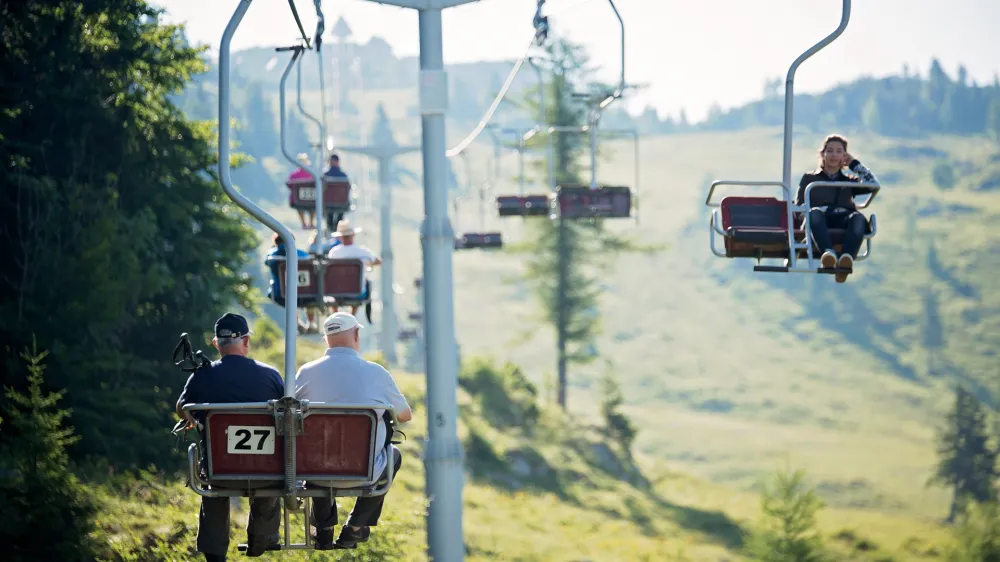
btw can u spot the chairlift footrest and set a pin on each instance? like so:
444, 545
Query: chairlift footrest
243, 547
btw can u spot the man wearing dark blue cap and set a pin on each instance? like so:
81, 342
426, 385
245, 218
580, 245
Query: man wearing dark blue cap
233, 378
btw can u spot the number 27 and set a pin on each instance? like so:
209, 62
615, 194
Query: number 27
244, 434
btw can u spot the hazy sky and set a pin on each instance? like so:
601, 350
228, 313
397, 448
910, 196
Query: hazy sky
690, 53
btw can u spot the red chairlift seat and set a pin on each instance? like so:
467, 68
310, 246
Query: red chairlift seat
342, 281
757, 227
523, 205
479, 240
336, 194
244, 456
605, 202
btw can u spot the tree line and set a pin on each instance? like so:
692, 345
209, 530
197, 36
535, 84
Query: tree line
904, 105
115, 232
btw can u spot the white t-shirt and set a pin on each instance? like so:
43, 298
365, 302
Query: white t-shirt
353, 252
342, 376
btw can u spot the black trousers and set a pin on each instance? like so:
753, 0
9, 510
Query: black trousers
852, 222
213, 519
366, 511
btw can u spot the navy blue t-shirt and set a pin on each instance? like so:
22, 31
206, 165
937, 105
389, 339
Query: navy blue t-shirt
233, 378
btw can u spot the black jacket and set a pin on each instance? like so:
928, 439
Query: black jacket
835, 196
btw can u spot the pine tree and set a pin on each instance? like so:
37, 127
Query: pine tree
45, 512
617, 424
116, 232
967, 459
788, 532
565, 259
977, 536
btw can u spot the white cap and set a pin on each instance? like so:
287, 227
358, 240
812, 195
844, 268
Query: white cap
340, 322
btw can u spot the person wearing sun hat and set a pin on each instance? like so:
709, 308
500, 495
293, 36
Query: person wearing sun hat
348, 250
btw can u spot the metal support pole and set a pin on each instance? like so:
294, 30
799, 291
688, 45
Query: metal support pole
383, 150
320, 216
322, 112
291, 271
443, 453
388, 343
561, 310
595, 116
786, 168
520, 165
544, 123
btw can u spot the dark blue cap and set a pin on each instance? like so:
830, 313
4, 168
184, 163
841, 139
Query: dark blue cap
232, 326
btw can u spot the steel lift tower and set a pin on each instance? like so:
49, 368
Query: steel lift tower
443, 456
383, 149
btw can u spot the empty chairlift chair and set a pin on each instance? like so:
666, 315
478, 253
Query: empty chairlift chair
582, 202
523, 205
479, 240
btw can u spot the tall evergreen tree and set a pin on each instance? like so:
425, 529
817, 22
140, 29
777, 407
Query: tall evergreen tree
115, 232
566, 258
967, 459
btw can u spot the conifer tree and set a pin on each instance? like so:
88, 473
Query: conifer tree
967, 458
788, 531
45, 512
565, 258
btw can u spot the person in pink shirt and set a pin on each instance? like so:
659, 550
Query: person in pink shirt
298, 176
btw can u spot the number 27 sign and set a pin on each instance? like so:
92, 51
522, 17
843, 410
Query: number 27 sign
250, 440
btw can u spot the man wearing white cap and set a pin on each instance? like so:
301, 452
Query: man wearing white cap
347, 250
342, 376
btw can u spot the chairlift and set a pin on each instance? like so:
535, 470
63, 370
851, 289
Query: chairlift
523, 205
770, 228
476, 240
336, 195
575, 201
275, 448
479, 241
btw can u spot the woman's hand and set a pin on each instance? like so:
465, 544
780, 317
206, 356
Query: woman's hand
848, 159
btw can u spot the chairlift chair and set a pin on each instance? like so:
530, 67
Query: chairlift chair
769, 228
280, 447
479, 241
583, 202
523, 205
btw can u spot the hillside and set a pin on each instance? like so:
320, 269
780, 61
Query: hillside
732, 368
535, 482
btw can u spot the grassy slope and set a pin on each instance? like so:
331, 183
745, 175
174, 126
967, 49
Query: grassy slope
731, 373
569, 507
864, 430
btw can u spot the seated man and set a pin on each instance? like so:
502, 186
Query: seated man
348, 250
299, 176
233, 378
342, 376
833, 207
334, 172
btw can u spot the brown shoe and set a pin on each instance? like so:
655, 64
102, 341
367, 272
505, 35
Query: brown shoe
828, 260
845, 262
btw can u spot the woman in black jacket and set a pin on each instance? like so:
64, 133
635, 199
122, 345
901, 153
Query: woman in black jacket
833, 207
